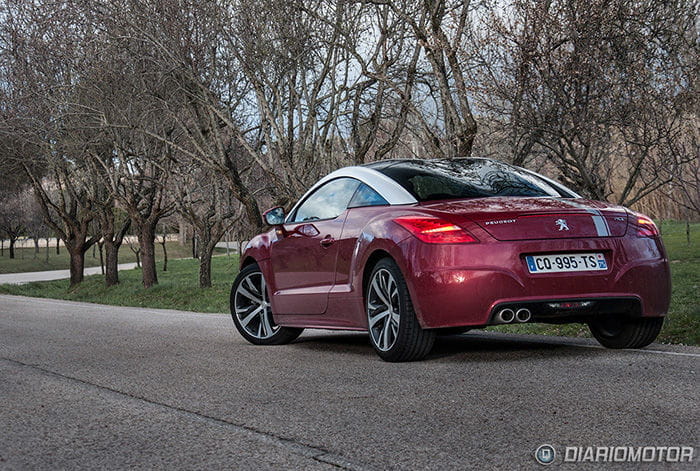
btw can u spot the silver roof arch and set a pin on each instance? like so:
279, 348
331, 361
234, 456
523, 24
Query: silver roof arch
391, 191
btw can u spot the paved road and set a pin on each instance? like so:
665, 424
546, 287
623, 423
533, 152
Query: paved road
87, 386
26, 277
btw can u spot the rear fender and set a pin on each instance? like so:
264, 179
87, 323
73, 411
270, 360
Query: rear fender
380, 236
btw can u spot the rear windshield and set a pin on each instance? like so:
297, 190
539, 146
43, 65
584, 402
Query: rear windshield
466, 178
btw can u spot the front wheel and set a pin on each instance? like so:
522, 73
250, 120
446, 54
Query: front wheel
251, 311
621, 332
394, 330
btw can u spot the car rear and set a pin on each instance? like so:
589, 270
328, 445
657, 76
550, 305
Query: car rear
514, 244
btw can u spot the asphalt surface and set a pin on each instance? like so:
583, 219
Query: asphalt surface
86, 386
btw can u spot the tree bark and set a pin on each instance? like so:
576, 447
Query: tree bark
205, 266
58, 245
36, 247
77, 265
148, 255
111, 263
12, 246
102, 258
165, 255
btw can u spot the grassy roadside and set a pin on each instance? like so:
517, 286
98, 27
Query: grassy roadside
178, 289
26, 260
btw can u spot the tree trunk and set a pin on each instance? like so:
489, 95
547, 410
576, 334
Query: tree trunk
165, 255
12, 247
102, 258
148, 255
58, 246
2, 246
111, 263
47, 249
36, 247
77, 265
205, 266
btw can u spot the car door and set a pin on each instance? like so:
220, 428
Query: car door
304, 256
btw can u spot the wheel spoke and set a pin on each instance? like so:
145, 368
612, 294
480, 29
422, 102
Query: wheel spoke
377, 317
380, 294
395, 318
251, 286
385, 334
246, 320
249, 295
373, 307
265, 321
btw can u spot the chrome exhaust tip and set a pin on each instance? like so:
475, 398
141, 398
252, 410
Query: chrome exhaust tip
523, 315
505, 316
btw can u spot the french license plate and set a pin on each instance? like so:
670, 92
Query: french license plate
566, 262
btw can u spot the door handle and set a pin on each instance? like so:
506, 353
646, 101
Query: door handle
327, 241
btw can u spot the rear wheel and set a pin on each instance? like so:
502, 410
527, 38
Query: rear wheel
623, 332
251, 311
394, 330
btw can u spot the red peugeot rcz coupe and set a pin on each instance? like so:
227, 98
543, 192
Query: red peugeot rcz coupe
409, 249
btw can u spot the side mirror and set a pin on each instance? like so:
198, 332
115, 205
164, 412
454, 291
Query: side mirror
274, 216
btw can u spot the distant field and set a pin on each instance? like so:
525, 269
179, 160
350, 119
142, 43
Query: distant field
178, 289
27, 260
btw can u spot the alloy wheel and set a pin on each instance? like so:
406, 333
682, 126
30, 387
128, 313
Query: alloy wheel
252, 308
383, 309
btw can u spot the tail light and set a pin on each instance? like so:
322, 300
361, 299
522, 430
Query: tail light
645, 226
436, 231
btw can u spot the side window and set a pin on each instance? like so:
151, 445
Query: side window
366, 196
327, 202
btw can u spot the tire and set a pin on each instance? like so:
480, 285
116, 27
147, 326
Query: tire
394, 331
624, 332
251, 311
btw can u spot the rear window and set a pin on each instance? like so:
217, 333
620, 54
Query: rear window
465, 178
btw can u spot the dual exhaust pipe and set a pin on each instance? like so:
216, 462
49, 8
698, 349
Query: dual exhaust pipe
507, 315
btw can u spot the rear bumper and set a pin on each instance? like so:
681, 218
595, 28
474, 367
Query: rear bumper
558, 311
464, 285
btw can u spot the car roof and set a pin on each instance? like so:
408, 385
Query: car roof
383, 164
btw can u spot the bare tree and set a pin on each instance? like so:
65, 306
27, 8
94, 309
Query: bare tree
591, 86
12, 217
203, 201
